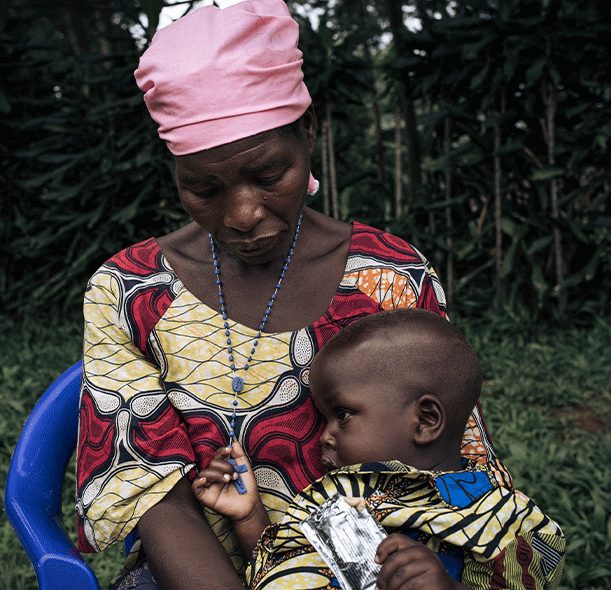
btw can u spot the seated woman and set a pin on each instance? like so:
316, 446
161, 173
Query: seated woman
206, 335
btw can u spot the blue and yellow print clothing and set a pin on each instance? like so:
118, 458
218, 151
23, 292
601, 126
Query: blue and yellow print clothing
487, 536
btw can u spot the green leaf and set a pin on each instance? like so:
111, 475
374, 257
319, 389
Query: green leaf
534, 73
538, 245
548, 173
538, 281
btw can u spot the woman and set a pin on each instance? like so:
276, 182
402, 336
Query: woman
206, 335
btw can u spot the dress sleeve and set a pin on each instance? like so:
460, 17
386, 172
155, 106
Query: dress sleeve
133, 445
431, 295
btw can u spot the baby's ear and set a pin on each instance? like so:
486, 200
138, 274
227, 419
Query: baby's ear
431, 420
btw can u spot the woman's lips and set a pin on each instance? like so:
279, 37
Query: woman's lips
254, 247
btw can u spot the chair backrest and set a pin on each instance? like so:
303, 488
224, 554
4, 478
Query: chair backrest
34, 485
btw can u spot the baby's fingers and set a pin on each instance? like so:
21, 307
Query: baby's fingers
222, 453
198, 485
200, 481
218, 472
393, 543
237, 453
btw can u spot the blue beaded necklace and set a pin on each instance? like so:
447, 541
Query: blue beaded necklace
237, 382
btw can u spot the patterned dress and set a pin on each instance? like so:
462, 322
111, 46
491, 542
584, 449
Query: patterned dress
486, 535
156, 393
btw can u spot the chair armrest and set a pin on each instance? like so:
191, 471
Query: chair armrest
34, 483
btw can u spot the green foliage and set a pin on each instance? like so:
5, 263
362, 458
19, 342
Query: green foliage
485, 66
81, 167
546, 402
83, 174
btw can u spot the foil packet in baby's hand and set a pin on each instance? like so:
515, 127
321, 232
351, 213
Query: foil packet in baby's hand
347, 538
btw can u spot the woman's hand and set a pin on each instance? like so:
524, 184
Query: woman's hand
409, 565
214, 486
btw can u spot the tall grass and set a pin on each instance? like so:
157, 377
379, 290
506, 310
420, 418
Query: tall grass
546, 401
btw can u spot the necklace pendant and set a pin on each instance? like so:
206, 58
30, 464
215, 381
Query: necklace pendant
237, 384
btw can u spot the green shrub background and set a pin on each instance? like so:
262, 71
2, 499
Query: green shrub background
508, 194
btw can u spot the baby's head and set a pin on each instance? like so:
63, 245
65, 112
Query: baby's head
396, 385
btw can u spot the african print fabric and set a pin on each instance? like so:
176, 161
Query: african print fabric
486, 535
155, 398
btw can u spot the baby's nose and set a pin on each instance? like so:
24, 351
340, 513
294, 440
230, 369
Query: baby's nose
326, 439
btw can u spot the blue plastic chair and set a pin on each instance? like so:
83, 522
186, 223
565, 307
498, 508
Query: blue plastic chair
34, 485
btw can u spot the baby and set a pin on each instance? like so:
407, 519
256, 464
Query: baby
396, 390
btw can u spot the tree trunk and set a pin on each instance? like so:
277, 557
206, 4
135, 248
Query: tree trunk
325, 167
381, 152
398, 167
332, 170
498, 210
377, 119
447, 144
395, 15
550, 101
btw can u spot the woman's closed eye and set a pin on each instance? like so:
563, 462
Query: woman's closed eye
271, 178
204, 192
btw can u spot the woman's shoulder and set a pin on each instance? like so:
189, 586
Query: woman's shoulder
381, 244
362, 240
140, 259
137, 270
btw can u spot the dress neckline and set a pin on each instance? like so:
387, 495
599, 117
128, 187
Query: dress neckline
353, 226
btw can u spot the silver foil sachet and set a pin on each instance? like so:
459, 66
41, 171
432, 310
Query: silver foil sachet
347, 538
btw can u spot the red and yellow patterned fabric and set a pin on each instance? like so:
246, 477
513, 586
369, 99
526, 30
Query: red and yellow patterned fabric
486, 535
156, 393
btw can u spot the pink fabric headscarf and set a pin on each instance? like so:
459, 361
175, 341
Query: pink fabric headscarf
218, 75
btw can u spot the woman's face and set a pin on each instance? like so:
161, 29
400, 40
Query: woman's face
249, 193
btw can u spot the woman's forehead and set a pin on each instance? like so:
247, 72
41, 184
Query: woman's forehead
262, 151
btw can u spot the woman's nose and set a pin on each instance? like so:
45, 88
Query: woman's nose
243, 209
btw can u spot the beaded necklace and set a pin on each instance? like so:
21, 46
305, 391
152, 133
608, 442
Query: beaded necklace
237, 382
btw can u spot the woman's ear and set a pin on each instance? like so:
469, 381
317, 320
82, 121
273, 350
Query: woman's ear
431, 420
309, 126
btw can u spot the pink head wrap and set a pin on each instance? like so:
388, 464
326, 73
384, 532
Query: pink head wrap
221, 74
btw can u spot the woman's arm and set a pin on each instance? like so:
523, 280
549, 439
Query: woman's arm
181, 549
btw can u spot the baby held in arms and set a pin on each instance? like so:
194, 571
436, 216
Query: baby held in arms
396, 390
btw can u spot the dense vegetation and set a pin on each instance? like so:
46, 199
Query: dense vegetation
480, 132
482, 136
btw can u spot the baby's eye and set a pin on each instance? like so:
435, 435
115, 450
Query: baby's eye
342, 415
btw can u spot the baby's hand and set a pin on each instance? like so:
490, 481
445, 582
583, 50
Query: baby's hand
214, 486
408, 564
